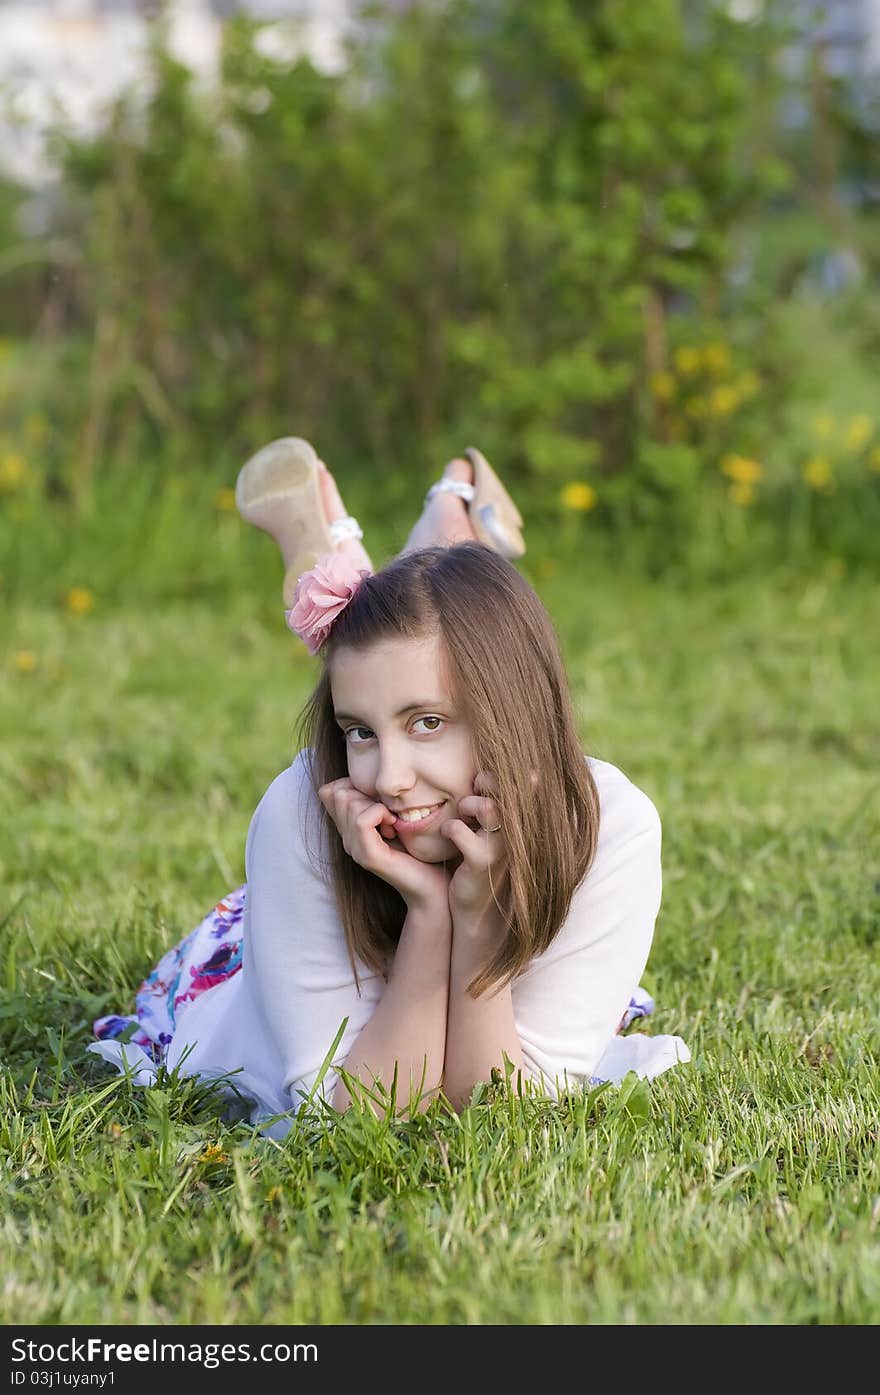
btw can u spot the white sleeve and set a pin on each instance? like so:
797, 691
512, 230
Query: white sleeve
303, 986
569, 1002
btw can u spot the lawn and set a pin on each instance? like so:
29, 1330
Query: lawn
743, 1188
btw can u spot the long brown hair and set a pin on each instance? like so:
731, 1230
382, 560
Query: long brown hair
509, 682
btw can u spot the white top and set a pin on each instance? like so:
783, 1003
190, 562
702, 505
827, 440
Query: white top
275, 1021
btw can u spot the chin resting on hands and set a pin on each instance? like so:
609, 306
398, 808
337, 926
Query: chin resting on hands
366, 828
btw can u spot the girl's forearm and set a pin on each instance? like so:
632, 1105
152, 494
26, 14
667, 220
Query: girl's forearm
479, 1031
407, 1031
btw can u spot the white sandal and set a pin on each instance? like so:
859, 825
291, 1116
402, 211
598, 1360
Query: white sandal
279, 490
494, 516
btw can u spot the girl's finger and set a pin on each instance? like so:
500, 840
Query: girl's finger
484, 810
485, 783
469, 844
371, 816
332, 789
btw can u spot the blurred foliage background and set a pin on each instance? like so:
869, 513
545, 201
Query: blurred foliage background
577, 236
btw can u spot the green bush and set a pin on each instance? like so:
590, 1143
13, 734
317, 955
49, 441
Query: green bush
502, 224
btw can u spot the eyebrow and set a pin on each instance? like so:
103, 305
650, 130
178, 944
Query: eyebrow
401, 712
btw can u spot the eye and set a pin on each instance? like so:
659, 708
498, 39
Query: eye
438, 720
349, 735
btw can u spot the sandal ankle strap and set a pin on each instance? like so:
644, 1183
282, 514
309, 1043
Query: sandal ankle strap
446, 486
341, 529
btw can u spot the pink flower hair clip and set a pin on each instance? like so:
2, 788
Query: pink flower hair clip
321, 596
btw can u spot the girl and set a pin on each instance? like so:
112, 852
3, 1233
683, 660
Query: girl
441, 885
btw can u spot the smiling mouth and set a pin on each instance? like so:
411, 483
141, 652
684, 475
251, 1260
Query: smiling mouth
418, 823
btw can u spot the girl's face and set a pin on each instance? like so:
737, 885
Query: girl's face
407, 748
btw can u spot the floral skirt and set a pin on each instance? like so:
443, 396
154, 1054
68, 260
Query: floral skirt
208, 955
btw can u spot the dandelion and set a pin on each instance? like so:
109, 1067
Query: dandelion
742, 470
742, 493
822, 426
26, 661
579, 497
817, 472
716, 358
273, 1194
859, 430
79, 600
663, 386
12, 471
723, 401
224, 500
747, 384
688, 360
36, 428
212, 1153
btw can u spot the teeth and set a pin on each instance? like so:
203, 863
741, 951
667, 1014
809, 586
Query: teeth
413, 815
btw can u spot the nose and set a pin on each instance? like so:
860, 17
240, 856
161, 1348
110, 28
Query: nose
394, 775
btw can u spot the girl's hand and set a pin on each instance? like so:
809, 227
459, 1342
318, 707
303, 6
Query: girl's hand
482, 851
367, 832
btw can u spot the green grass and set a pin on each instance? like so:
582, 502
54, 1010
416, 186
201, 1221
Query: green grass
744, 1188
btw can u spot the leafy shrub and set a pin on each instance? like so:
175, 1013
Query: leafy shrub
503, 224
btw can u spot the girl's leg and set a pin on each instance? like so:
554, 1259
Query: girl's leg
335, 509
444, 520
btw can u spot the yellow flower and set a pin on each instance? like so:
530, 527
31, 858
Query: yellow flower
579, 497
747, 384
874, 460
859, 430
822, 426
688, 360
662, 386
696, 407
26, 661
817, 472
224, 500
12, 471
723, 400
742, 470
36, 428
79, 600
212, 1153
716, 358
274, 1193
742, 493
